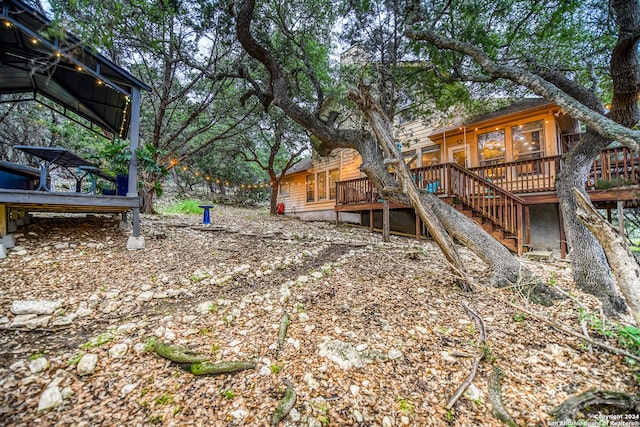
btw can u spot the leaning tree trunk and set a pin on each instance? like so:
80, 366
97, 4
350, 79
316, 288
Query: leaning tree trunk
438, 216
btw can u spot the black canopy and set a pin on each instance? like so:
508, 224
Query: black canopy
73, 76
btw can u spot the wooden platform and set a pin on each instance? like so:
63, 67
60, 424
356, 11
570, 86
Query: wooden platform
21, 202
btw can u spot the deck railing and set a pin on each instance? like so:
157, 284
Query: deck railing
523, 176
355, 191
614, 167
488, 200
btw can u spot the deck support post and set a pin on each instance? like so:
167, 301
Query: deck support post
563, 237
418, 227
621, 217
527, 225
371, 220
385, 221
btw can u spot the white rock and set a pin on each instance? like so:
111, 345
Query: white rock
38, 365
205, 307
110, 306
169, 335
265, 371
362, 347
112, 294
358, 416
127, 388
30, 322
354, 389
49, 399
87, 364
118, 350
239, 414
160, 295
4, 320
62, 321
308, 329
310, 381
140, 348
317, 275
303, 317
146, 296
62, 245
146, 287
473, 392
35, 307
386, 421
303, 279
295, 415
66, 392
394, 354
404, 420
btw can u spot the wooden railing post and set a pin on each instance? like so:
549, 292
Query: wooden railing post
520, 226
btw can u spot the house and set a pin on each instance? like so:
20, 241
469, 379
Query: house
498, 168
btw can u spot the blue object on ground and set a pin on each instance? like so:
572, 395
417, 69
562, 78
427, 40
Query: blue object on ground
206, 219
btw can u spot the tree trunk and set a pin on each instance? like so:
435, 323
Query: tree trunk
273, 200
591, 271
616, 247
148, 193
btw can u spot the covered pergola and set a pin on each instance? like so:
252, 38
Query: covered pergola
44, 64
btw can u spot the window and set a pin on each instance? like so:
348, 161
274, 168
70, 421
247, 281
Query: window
311, 188
528, 140
491, 147
322, 185
284, 190
334, 176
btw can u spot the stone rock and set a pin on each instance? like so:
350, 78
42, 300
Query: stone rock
140, 348
303, 317
135, 243
346, 355
38, 365
8, 241
62, 321
3, 251
160, 295
358, 416
310, 381
354, 389
394, 354
118, 350
66, 392
473, 393
62, 245
295, 415
110, 306
87, 364
49, 399
386, 421
302, 279
205, 307
35, 307
146, 296
126, 389
239, 414
317, 275
83, 310
30, 321
4, 320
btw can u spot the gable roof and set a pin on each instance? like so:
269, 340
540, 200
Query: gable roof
301, 166
63, 70
524, 104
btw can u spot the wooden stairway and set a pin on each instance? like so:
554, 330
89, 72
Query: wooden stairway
497, 211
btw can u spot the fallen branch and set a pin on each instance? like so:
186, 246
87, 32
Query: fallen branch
466, 383
495, 398
220, 367
282, 332
177, 353
474, 370
565, 329
284, 406
574, 407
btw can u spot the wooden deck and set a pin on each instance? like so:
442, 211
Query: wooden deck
498, 196
19, 202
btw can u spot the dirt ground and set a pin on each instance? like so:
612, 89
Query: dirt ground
404, 342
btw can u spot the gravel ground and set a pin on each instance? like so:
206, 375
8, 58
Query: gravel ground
377, 334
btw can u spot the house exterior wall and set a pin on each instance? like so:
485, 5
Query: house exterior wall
468, 135
296, 187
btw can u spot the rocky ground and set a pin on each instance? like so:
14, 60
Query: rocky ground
377, 333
